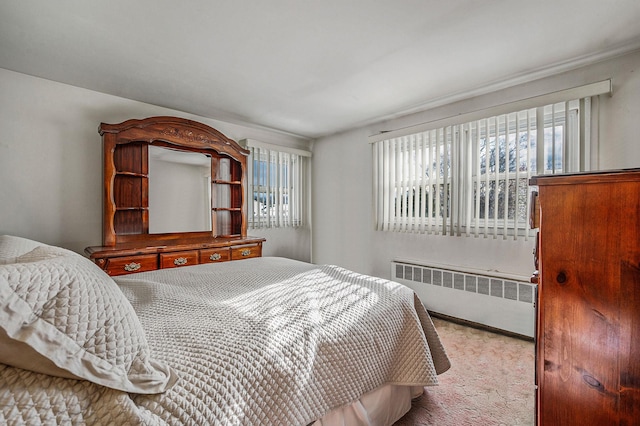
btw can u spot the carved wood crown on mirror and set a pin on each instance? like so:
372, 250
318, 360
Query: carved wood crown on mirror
128, 246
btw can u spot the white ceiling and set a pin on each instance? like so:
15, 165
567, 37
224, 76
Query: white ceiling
307, 67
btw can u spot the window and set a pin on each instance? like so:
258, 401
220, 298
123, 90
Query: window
471, 178
277, 185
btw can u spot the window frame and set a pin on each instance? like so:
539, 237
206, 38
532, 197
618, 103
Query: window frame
464, 168
282, 180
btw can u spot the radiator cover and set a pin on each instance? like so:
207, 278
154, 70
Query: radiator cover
497, 302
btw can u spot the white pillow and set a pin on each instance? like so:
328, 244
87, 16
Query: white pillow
61, 315
12, 247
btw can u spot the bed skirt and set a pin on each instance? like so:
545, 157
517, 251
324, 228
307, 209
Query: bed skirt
382, 406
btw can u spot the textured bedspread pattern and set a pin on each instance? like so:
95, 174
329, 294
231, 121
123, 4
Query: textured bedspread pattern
255, 342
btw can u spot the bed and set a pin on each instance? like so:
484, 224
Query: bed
258, 341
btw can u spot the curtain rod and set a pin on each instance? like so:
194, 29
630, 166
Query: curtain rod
592, 89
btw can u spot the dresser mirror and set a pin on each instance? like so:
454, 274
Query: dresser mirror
179, 191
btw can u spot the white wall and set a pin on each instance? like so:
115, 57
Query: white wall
51, 162
51, 183
343, 230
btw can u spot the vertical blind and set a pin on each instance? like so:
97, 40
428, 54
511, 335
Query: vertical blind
471, 178
277, 182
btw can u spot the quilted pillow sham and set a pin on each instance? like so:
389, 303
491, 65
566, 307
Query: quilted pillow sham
12, 247
61, 315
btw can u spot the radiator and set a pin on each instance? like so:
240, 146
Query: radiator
493, 301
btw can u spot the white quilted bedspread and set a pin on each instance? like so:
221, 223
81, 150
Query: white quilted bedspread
264, 341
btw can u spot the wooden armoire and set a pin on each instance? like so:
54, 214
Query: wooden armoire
588, 324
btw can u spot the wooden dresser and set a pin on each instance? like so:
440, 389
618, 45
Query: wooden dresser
128, 258
174, 195
588, 325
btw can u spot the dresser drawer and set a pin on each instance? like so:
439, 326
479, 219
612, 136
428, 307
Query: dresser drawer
130, 264
246, 252
178, 258
215, 255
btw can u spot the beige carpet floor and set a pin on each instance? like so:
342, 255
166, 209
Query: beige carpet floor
491, 381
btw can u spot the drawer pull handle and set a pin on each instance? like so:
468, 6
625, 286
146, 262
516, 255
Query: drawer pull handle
215, 256
246, 252
132, 267
180, 261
